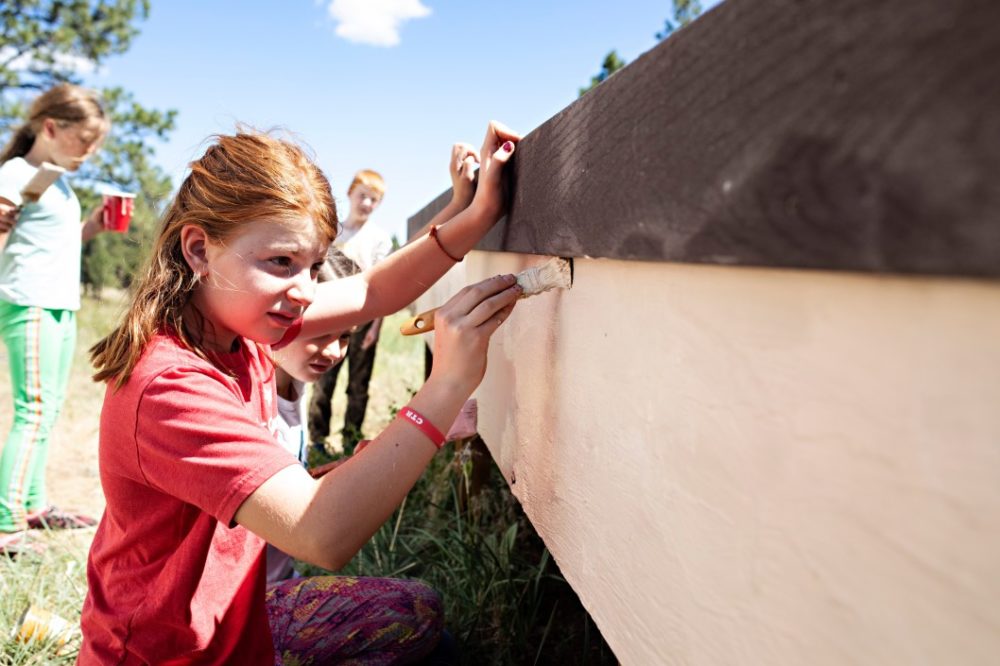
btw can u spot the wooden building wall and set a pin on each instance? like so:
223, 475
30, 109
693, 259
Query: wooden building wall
763, 427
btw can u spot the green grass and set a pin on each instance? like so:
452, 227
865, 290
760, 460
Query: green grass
57, 581
505, 599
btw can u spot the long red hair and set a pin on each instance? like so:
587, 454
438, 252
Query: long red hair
241, 178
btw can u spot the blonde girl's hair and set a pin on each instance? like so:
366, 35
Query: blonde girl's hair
66, 104
368, 178
241, 178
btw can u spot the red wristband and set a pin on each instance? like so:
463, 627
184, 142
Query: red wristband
424, 425
434, 234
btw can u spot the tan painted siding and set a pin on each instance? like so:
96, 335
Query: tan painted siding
751, 466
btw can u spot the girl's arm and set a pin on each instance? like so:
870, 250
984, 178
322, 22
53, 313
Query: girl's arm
397, 281
93, 225
327, 521
462, 169
371, 337
8, 215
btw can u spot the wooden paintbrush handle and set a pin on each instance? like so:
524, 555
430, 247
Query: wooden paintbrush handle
422, 323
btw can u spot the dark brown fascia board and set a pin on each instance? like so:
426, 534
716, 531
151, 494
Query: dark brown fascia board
851, 135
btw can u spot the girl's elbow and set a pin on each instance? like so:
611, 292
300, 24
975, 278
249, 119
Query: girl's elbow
332, 561
328, 554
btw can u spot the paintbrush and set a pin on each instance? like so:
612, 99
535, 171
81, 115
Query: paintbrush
555, 273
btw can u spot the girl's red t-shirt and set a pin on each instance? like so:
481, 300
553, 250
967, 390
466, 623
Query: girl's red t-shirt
172, 579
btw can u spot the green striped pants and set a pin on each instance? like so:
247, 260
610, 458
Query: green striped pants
40, 346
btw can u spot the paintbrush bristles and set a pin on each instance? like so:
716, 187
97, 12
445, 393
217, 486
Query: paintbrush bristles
553, 274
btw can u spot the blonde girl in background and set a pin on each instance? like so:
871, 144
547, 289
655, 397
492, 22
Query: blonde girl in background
365, 244
39, 297
194, 479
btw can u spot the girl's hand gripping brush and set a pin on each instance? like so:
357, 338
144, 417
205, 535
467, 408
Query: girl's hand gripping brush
555, 273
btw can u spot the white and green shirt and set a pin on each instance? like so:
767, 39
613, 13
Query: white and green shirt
40, 263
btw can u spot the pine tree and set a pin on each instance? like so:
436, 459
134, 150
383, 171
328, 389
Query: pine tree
45, 42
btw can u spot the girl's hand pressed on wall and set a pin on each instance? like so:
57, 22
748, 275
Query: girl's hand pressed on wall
405, 274
462, 170
463, 326
498, 148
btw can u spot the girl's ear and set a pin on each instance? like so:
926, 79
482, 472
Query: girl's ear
49, 128
194, 245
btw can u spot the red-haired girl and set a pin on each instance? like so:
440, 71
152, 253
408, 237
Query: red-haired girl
194, 481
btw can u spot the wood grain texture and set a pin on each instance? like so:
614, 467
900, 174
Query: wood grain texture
850, 135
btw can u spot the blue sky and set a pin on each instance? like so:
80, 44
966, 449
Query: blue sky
381, 84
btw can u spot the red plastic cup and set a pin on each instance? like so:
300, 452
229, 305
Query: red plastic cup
118, 211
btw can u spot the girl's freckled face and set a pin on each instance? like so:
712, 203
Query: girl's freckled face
259, 281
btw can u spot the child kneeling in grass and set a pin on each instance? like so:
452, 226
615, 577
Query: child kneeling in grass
303, 361
373, 604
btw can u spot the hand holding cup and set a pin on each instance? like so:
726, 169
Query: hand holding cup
118, 208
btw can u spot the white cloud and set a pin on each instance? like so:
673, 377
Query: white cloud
374, 22
64, 62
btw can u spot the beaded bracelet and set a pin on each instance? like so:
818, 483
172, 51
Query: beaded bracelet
434, 234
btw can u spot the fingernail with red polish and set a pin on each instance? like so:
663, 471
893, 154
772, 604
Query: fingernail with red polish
508, 147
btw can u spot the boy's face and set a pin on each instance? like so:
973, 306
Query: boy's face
364, 200
307, 359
